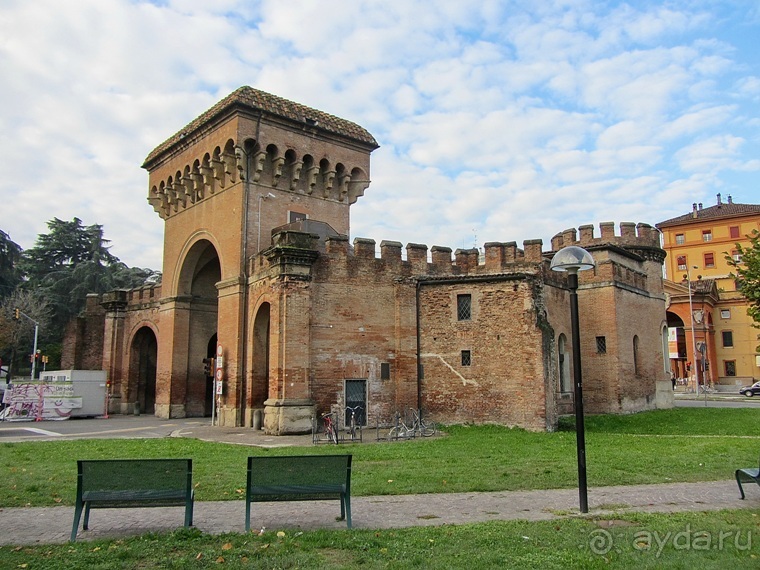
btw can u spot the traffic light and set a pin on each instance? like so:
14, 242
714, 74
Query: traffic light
208, 367
16, 314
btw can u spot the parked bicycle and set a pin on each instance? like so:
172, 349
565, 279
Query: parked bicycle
353, 427
416, 425
706, 389
330, 429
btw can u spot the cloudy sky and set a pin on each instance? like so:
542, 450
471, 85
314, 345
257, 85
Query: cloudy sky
498, 120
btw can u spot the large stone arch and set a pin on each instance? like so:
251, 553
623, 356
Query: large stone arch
195, 326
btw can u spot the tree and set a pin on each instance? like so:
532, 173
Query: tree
70, 262
10, 254
748, 274
17, 335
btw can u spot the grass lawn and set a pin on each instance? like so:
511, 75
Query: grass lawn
727, 539
683, 444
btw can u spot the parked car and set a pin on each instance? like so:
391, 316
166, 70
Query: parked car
750, 391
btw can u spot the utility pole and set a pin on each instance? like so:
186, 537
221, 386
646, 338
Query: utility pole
17, 314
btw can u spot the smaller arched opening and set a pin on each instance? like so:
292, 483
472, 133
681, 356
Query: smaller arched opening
565, 384
141, 393
261, 349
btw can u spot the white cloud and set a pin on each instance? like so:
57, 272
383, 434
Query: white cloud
492, 117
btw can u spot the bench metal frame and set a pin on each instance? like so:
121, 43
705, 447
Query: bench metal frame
748, 474
299, 478
132, 483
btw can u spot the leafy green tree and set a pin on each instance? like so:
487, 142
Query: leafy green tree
748, 275
71, 261
10, 254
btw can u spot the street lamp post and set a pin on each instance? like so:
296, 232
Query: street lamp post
573, 259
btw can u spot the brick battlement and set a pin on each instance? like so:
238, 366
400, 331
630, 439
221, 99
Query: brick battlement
438, 260
631, 235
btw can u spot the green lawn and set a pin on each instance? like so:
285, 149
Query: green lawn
684, 444
728, 539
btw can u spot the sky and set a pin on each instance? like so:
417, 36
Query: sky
497, 120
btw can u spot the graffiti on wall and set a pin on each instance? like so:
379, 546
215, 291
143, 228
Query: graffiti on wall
29, 401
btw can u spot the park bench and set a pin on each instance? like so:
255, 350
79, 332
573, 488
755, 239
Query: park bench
748, 474
130, 483
299, 478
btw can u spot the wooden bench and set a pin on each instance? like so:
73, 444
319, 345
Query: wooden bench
748, 474
129, 483
299, 478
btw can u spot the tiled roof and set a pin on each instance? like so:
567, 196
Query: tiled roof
262, 101
723, 210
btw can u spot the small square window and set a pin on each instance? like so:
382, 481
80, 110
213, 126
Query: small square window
709, 260
725, 313
706, 235
466, 358
728, 339
296, 216
680, 239
464, 307
601, 345
730, 367
734, 232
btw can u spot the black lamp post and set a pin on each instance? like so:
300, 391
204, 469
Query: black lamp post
573, 259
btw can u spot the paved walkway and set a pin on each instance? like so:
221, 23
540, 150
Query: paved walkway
48, 525
20, 526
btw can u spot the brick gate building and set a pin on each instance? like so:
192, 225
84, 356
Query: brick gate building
255, 195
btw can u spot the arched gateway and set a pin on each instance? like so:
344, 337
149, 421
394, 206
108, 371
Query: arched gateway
255, 196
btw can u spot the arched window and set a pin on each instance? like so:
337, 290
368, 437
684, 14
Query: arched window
564, 364
636, 364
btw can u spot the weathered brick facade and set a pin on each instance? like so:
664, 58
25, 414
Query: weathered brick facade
255, 195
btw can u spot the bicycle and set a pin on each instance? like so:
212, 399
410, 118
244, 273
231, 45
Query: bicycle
352, 428
331, 431
418, 426
706, 389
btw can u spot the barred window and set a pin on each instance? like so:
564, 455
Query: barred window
730, 367
464, 307
601, 345
466, 358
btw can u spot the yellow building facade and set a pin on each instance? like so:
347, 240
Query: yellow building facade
716, 336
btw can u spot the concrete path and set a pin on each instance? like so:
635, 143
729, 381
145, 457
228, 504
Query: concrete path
21, 526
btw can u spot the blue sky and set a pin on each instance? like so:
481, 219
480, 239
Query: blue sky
497, 120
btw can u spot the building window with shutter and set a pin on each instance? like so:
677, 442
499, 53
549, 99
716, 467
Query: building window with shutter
709, 260
680, 240
734, 231
681, 260
706, 235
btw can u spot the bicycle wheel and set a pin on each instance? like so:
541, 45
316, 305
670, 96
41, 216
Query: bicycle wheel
332, 435
397, 432
427, 429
